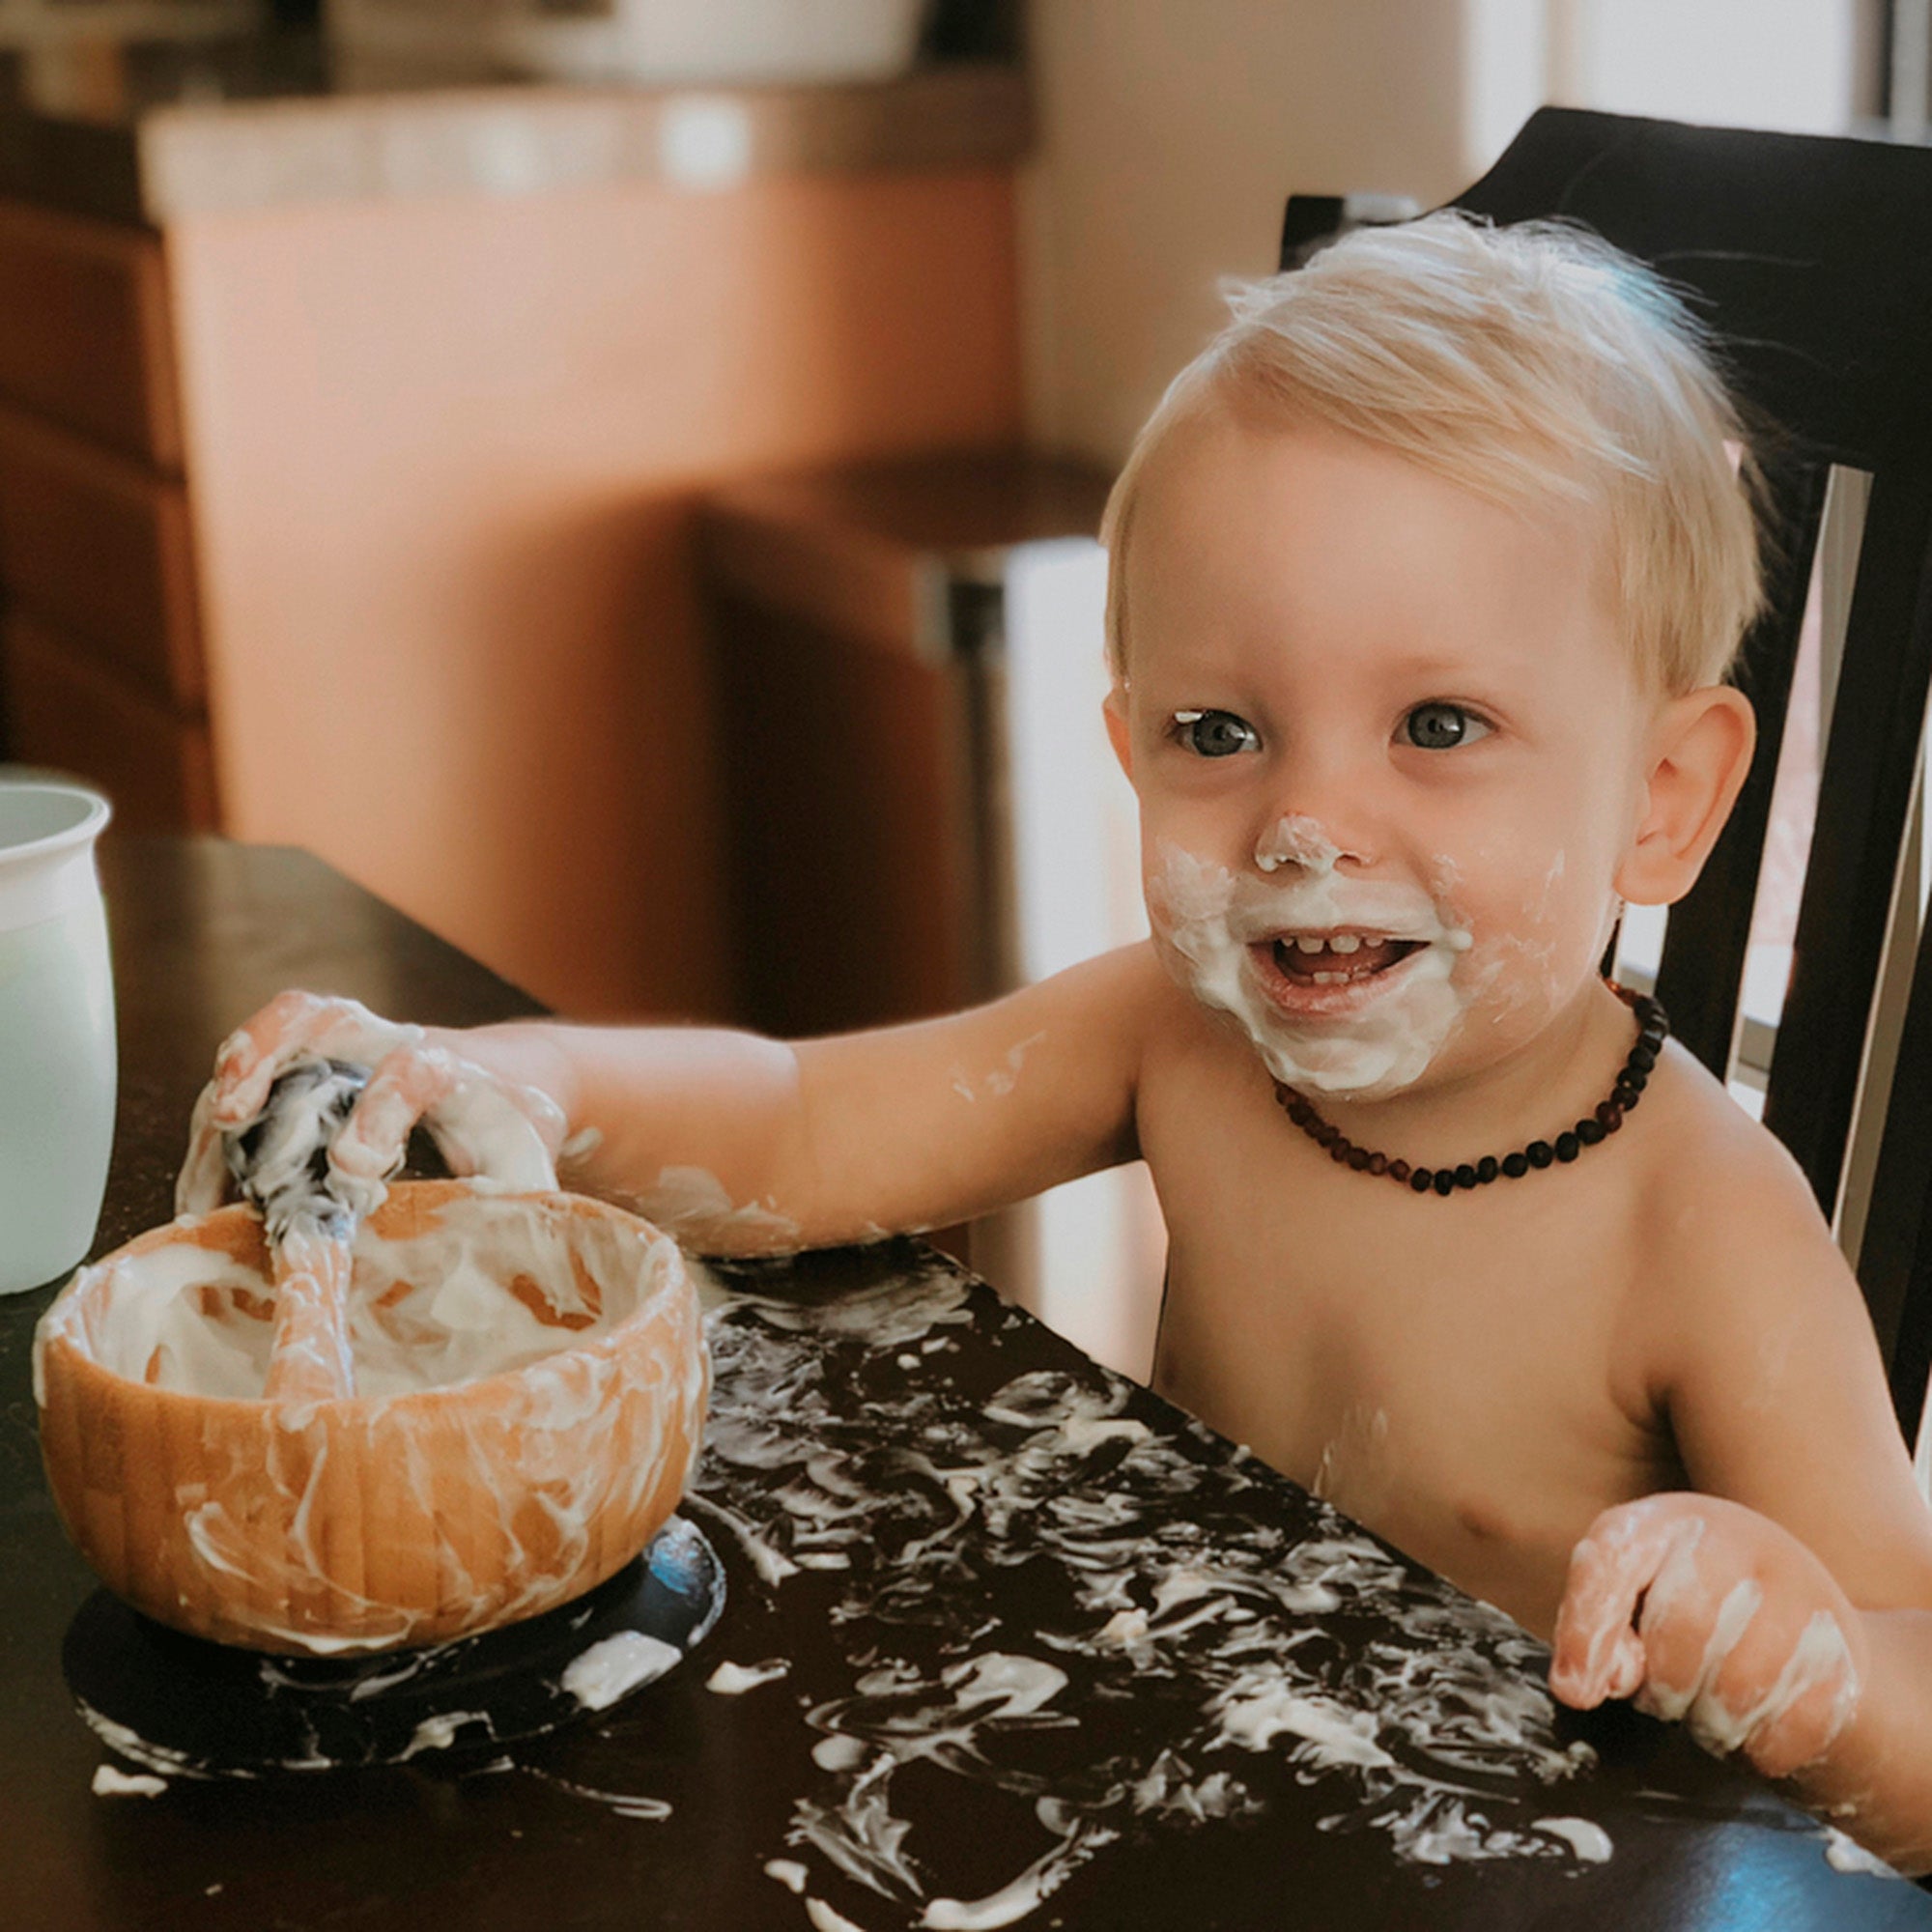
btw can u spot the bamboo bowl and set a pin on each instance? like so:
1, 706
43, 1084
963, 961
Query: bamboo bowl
531, 1383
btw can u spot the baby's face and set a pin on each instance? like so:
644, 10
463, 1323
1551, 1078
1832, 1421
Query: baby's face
1389, 748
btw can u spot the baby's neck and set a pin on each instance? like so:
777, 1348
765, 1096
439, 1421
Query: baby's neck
1532, 1092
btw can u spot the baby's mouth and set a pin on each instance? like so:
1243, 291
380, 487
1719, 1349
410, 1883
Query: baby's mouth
1338, 958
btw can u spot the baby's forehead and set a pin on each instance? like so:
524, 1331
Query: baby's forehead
1226, 458
1219, 421
1531, 365
1253, 537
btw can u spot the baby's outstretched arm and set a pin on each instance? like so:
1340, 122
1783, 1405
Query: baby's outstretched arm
735, 1142
1784, 1613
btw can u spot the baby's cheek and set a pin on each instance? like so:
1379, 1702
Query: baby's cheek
1509, 983
1531, 954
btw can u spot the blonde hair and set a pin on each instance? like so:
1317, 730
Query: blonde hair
1524, 363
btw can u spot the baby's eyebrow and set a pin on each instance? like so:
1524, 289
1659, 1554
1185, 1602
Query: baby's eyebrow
1427, 664
1441, 656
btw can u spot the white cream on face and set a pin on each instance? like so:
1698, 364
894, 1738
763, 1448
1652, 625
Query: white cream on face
1205, 918
1297, 841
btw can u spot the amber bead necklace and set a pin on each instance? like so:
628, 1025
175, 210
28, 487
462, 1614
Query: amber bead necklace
1628, 1090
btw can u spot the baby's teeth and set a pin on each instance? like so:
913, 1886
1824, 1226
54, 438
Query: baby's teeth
1327, 978
1344, 941
1307, 942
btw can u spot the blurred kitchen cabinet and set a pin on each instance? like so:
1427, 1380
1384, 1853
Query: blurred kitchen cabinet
100, 666
859, 613
86, 337
347, 479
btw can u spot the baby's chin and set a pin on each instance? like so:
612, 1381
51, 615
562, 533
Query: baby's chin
1342, 1069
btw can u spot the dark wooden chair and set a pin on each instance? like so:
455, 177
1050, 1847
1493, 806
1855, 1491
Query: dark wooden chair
1812, 260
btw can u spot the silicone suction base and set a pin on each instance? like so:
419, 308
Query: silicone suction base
187, 1708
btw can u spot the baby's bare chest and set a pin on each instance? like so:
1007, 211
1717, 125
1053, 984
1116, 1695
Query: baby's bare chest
1464, 1374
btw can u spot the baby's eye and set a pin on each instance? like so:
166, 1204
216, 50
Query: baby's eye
1441, 727
1215, 734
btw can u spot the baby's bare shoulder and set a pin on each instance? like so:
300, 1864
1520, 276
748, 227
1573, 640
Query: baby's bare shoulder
1119, 1011
1725, 1225
1710, 1174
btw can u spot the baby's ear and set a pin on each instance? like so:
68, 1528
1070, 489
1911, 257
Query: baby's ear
1114, 709
1699, 752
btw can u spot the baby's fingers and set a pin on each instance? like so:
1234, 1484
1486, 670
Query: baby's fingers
1597, 1652
203, 1182
482, 1124
291, 1027
370, 1147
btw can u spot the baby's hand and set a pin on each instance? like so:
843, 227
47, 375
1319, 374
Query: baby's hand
1705, 1610
480, 1123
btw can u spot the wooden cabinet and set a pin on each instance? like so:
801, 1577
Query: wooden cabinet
101, 659
85, 339
66, 709
857, 613
99, 544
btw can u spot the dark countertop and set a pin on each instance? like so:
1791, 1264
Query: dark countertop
1034, 1640
152, 132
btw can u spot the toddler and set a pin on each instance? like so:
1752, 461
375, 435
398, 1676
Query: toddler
1426, 577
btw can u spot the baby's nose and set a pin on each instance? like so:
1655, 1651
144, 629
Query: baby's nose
1298, 841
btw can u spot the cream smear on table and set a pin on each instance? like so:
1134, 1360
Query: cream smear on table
1435, 1733
613, 1668
733, 1679
1190, 1649
1205, 918
1843, 1853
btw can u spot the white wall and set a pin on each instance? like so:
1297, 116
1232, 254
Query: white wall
1171, 131
1786, 64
